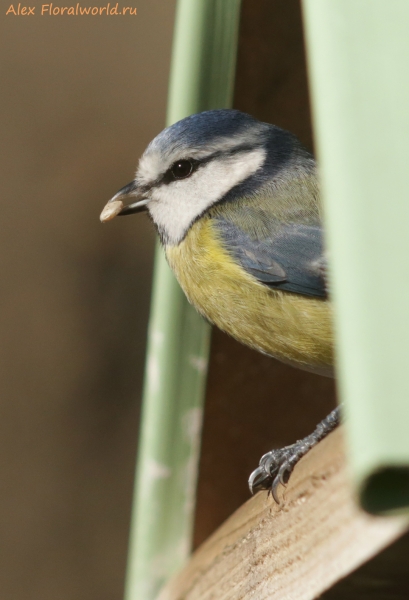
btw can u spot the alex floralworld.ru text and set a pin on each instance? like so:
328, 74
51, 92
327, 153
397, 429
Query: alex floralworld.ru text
74, 10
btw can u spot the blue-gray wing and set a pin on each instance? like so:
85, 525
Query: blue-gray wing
291, 259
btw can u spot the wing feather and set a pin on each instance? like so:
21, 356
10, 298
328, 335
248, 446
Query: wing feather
291, 258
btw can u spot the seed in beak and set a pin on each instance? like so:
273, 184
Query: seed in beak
111, 210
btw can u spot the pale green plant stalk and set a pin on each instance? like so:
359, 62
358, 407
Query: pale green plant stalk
202, 77
358, 54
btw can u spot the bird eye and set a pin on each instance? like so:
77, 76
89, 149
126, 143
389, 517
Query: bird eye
181, 169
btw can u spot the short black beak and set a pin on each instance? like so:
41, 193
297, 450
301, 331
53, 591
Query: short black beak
116, 207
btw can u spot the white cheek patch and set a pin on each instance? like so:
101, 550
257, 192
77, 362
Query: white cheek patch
175, 206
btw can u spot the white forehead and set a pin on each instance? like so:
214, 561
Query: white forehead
175, 206
160, 155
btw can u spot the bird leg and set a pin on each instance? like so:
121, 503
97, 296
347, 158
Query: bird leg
276, 466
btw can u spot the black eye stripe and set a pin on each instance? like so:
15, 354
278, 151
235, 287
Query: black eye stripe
168, 177
181, 169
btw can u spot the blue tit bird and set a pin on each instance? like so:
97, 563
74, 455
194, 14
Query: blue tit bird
236, 204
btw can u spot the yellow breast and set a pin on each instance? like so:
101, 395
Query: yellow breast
293, 328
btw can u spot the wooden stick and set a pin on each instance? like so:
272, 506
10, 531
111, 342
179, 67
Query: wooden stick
293, 551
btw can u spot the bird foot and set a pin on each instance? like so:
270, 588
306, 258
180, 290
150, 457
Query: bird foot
276, 466
274, 470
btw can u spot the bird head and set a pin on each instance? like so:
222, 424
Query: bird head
208, 158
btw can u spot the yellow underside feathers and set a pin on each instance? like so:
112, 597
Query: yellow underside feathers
293, 328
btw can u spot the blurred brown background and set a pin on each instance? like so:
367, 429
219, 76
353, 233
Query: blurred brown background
81, 99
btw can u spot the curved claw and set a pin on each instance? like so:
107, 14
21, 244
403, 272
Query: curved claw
269, 463
280, 479
274, 489
284, 469
259, 480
